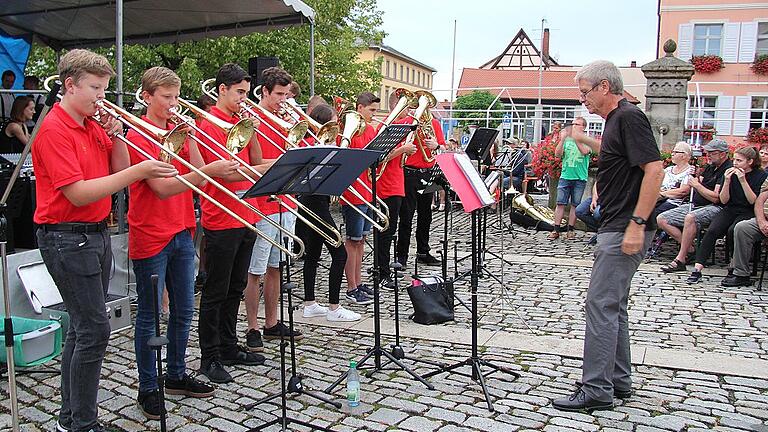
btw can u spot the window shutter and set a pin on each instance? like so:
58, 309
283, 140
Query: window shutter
731, 42
724, 115
685, 41
748, 42
741, 115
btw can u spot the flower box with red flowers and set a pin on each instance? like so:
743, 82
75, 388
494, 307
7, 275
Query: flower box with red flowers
544, 159
707, 63
758, 136
760, 65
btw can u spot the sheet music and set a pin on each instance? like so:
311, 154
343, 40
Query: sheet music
474, 179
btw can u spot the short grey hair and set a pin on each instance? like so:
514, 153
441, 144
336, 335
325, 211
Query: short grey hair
600, 70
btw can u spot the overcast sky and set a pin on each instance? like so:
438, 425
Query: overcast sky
580, 30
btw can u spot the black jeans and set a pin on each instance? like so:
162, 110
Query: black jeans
80, 265
313, 244
228, 255
719, 227
422, 205
386, 237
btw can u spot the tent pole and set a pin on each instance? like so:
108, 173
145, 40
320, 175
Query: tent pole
119, 85
311, 57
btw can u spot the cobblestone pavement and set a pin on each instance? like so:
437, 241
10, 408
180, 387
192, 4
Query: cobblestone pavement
545, 288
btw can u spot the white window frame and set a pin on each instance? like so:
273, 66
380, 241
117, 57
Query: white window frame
758, 37
763, 114
708, 39
692, 115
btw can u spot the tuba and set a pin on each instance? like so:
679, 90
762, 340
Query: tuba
351, 121
525, 204
407, 100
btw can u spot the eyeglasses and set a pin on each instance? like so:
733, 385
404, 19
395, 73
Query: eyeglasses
583, 94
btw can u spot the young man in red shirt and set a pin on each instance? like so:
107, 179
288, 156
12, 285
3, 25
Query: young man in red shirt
162, 221
356, 226
265, 258
391, 189
417, 169
228, 244
79, 164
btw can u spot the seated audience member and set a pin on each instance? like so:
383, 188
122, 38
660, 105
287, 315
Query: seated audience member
15, 134
738, 195
588, 211
674, 187
764, 157
745, 234
684, 223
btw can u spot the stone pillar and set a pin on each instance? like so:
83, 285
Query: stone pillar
665, 95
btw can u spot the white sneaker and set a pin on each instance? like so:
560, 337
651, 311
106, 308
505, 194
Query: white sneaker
315, 310
342, 314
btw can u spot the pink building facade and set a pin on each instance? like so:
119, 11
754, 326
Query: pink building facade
734, 99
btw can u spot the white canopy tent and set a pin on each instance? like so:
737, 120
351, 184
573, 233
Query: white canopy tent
63, 24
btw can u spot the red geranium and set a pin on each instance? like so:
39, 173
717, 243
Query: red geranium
707, 63
760, 65
758, 136
544, 159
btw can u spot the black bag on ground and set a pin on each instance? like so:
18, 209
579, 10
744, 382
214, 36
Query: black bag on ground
432, 300
525, 221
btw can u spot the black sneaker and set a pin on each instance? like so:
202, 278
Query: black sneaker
427, 259
695, 277
357, 296
188, 386
736, 281
243, 357
280, 329
149, 404
63, 427
253, 341
388, 282
366, 289
216, 372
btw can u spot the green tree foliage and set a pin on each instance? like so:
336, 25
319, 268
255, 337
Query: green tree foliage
477, 101
343, 29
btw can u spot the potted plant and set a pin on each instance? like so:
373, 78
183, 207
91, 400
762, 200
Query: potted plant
707, 63
544, 162
760, 65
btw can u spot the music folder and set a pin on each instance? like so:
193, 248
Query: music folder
465, 181
315, 170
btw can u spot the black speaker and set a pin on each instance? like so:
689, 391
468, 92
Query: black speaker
256, 66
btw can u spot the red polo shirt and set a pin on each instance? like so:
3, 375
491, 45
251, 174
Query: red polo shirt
65, 152
391, 182
155, 221
359, 142
270, 151
416, 160
213, 217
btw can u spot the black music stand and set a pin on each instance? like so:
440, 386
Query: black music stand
474, 361
311, 171
383, 143
479, 146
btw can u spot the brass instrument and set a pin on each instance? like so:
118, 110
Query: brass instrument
170, 143
425, 101
324, 133
426, 130
525, 204
232, 148
293, 132
352, 122
408, 100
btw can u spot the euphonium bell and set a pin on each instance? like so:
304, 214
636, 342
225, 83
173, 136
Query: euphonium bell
425, 129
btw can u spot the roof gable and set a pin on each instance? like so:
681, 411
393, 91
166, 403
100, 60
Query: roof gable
520, 54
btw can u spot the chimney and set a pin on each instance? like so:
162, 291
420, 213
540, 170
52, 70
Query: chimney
633, 64
545, 46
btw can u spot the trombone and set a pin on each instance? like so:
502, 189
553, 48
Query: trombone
170, 142
286, 131
235, 142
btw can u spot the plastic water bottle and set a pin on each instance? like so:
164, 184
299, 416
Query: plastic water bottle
353, 385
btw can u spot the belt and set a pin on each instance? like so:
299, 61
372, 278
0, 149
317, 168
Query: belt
419, 170
76, 227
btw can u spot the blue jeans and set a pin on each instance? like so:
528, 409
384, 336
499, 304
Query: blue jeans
590, 219
570, 191
175, 267
79, 264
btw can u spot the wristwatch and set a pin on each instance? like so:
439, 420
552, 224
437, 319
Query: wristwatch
638, 220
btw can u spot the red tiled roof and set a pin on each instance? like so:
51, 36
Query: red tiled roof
473, 78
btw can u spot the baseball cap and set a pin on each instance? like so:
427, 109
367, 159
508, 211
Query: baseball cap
716, 145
